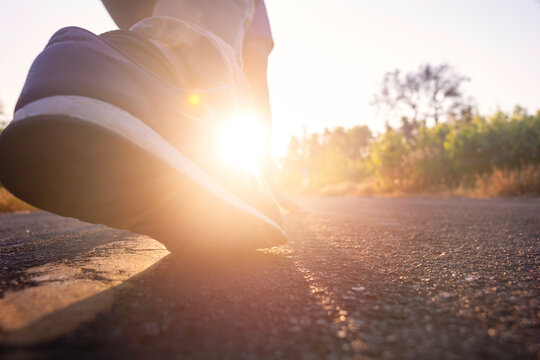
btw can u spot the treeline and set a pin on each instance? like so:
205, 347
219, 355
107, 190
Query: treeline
486, 156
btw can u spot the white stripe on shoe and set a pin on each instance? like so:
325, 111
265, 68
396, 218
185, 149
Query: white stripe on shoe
134, 130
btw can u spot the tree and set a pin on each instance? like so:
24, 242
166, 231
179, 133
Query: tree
432, 93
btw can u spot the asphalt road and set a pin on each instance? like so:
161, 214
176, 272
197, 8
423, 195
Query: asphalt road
360, 279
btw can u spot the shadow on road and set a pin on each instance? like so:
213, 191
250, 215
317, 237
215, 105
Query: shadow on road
251, 304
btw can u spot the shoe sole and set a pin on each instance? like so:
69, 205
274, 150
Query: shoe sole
88, 159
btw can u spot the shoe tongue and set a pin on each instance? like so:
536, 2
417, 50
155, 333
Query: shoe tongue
208, 62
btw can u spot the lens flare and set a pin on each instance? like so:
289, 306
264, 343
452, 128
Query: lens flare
242, 142
194, 99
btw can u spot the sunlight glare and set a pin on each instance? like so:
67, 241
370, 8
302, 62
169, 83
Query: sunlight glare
242, 142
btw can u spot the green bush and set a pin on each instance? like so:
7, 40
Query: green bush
447, 156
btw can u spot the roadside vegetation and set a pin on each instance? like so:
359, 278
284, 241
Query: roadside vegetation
439, 146
9, 203
478, 156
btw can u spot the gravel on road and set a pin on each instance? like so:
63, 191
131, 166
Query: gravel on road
361, 278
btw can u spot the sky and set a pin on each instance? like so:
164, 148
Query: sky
330, 55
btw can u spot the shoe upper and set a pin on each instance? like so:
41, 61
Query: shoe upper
139, 75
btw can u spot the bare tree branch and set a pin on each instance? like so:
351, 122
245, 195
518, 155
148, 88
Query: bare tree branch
432, 93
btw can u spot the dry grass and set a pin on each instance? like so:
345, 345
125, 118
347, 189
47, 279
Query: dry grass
521, 182
9, 203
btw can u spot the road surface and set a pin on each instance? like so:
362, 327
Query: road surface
360, 279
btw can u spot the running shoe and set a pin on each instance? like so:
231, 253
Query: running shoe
106, 132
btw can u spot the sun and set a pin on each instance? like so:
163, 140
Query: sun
242, 142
